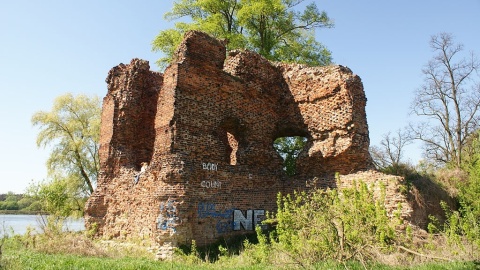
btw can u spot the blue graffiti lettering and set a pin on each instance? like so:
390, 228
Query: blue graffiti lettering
208, 210
231, 219
224, 226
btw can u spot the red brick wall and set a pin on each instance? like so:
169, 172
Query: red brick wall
206, 127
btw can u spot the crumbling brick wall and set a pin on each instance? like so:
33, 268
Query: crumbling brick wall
206, 127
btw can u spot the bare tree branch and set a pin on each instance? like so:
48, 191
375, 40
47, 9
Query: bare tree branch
445, 100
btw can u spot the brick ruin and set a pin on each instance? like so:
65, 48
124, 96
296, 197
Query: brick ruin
206, 128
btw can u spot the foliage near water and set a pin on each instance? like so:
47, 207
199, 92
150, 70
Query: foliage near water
17, 203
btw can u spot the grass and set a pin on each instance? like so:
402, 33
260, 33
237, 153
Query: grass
75, 251
36, 260
52, 248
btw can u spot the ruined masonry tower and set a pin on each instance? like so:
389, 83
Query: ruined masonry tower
206, 128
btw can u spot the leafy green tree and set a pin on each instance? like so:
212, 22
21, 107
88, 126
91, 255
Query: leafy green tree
11, 205
289, 148
58, 197
72, 127
279, 33
11, 197
273, 28
25, 202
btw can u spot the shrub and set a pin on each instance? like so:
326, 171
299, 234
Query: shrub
25, 202
11, 205
332, 225
462, 226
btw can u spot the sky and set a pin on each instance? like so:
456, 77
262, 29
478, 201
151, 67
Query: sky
52, 47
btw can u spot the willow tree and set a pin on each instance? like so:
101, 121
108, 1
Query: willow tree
275, 29
72, 129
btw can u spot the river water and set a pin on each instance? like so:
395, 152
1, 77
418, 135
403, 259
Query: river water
20, 223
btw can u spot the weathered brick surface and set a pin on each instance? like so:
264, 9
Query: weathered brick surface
206, 127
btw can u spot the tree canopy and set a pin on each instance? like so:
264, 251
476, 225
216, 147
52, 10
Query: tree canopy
72, 128
273, 28
289, 148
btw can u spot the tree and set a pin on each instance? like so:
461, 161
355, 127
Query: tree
73, 128
449, 98
273, 28
289, 148
59, 197
390, 152
12, 197
11, 202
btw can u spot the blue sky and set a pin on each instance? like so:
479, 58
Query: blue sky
51, 47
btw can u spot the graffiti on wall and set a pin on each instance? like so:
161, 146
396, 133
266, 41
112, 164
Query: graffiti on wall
210, 166
224, 226
230, 219
211, 184
249, 221
168, 218
209, 210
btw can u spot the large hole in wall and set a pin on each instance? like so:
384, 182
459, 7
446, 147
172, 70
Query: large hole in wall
231, 136
289, 148
232, 148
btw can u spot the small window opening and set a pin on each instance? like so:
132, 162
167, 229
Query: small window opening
231, 134
233, 148
289, 148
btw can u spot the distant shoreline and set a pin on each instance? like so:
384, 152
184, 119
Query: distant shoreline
21, 212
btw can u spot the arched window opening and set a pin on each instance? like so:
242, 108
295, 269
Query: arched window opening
289, 148
233, 148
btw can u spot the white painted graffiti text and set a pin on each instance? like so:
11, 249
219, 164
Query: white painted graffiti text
211, 184
210, 166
